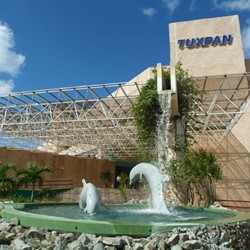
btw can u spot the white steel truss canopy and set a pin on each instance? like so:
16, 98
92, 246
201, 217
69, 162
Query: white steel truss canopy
97, 120
225, 100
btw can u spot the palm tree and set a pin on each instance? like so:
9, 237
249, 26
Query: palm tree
7, 183
32, 174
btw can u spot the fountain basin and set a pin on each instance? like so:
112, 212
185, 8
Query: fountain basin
114, 221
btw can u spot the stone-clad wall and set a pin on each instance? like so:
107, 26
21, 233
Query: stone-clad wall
66, 169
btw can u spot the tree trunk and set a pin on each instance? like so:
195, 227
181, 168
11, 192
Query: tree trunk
32, 192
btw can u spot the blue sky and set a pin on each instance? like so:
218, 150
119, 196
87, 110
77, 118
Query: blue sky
62, 43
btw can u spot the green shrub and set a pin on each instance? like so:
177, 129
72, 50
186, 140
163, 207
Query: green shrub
194, 177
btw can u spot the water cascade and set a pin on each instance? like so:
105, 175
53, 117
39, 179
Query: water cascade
162, 136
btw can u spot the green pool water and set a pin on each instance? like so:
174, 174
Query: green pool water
117, 220
138, 214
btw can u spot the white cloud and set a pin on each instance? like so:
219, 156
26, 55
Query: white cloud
171, 5
10, 62
150, 12
235, 5
6, 87
246, 38
192, 5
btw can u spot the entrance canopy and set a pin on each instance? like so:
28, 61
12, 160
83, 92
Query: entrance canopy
92, 120
225, 100
97, 120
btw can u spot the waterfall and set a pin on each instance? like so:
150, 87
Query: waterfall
162, 135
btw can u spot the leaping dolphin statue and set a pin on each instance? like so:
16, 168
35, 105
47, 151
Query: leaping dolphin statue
155, 181
90, 199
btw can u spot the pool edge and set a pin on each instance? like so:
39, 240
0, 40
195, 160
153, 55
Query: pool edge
104, 227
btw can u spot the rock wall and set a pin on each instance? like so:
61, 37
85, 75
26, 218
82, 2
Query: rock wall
15, 236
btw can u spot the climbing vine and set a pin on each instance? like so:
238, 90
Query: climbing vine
193, 174
146, 112
147, 109
189, 98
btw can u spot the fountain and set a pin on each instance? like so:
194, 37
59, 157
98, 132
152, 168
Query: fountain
135, 220
90, 198
162, 136
155, 181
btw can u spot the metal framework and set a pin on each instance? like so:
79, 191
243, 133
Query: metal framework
225, 100
90, 120
97, 120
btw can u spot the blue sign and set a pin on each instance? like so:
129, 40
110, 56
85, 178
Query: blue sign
205, 41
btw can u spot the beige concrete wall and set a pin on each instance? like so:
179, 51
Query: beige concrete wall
144, 75
234, 188
130, 89
234, 152
241, 130
208, 60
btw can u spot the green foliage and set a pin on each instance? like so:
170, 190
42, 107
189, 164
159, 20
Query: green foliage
7, 183
106, 175
194, 177
32, 174
123, 186
188, 92
146, 111
46, 194
189, 97
15, 198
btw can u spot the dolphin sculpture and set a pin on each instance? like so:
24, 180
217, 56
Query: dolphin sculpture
155, 181
90, 199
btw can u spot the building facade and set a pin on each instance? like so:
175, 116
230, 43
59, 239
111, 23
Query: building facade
97, 121
211, 50
208, 47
